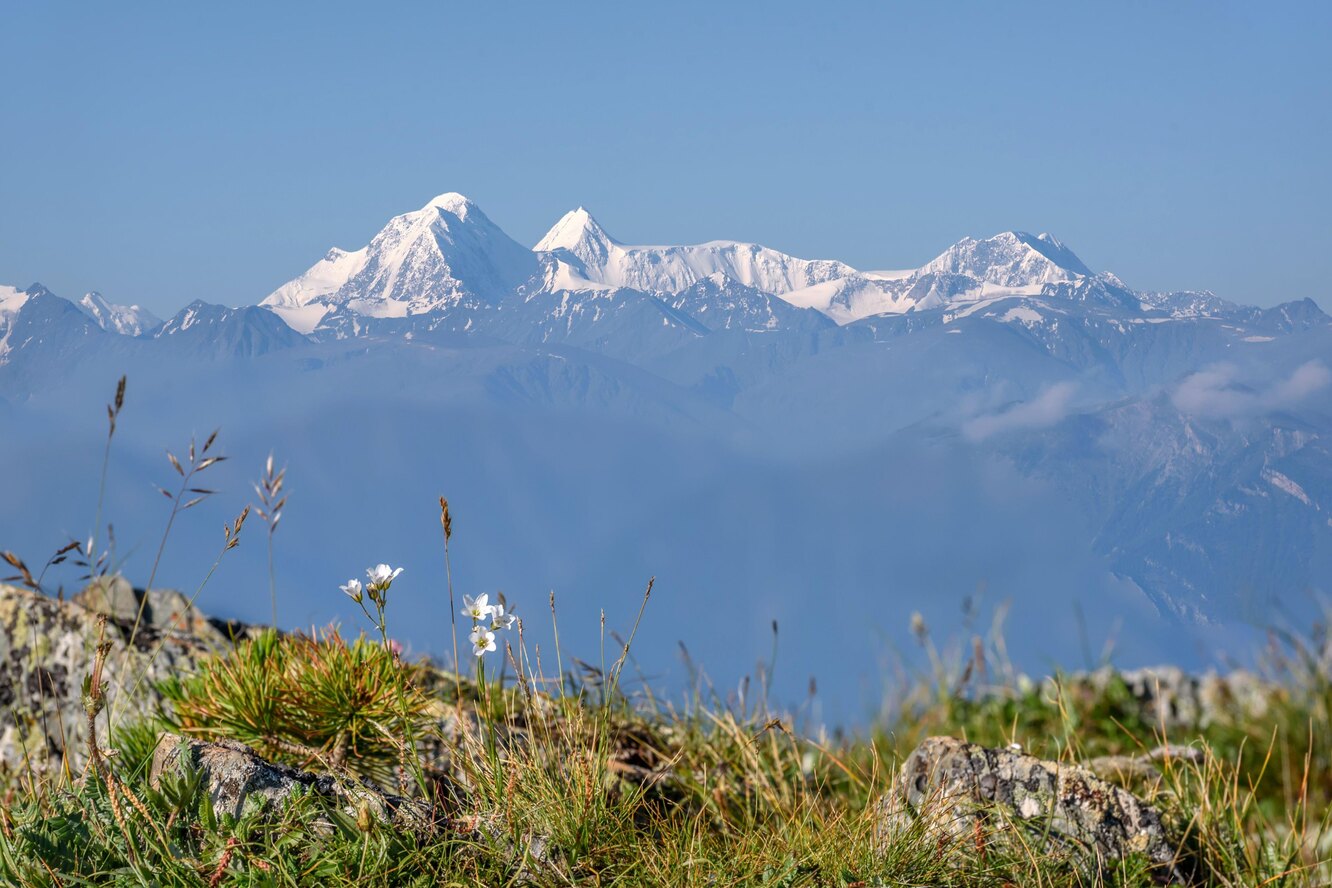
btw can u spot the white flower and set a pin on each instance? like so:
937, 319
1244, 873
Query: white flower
477, 608
381, 575
353, 590
499, 619
482, 640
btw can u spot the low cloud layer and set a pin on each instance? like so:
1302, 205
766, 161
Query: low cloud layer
1043, 411
1218, 391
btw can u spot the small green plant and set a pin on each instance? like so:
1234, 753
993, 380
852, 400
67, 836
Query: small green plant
307, 700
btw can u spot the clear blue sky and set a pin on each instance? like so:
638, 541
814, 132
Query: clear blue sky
166, 152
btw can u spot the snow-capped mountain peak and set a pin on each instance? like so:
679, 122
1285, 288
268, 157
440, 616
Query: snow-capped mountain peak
1012, 263
452, 202
1010, 259
36, 318
575, 227
1009, 263
12, 299
447, 252
1056, 252
576, 231
674, 268
127, 320
449, 265
578, 234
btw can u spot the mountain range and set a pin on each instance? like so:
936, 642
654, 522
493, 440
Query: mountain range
1005, 401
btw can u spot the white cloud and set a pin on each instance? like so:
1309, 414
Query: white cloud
1218, 392
1043, 411
1307, 379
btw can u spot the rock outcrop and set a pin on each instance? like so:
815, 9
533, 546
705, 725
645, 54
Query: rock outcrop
1173, 699
240, 783
164, 611
48, 647
981, 795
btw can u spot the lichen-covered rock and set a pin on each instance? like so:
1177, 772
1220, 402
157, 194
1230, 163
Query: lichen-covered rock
1175, 699
241, 783
1144, 768
164, 610
980, 794
48, 647
535, 856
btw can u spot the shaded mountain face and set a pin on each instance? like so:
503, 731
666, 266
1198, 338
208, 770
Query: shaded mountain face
37, 325
723, 303
202, 328
782, 433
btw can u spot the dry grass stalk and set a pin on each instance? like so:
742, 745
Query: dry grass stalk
272, 500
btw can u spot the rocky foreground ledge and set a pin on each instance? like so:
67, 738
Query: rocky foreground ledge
48, 647
945, 788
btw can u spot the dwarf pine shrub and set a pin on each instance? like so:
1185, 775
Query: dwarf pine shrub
307, 700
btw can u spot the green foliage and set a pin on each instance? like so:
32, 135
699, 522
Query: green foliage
303, 699
134, 743
587, 786
627, 794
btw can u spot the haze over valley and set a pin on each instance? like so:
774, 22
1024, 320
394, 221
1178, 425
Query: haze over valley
772, 437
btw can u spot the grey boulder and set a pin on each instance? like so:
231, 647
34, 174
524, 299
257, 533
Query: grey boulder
240, 783
968, 792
